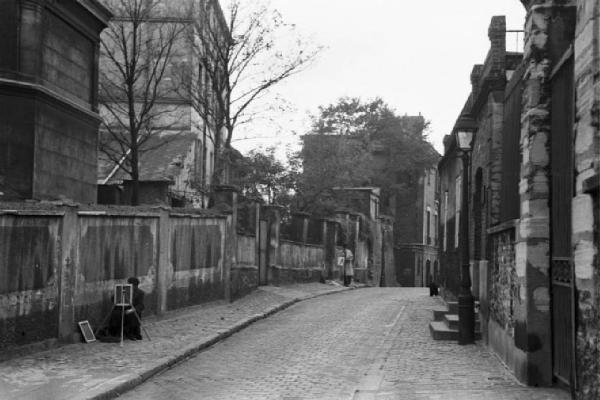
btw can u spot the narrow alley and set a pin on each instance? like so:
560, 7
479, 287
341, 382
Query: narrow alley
364, 344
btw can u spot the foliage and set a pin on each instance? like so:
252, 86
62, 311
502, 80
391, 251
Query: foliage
242, 57
135, 56
261, 174
357, 143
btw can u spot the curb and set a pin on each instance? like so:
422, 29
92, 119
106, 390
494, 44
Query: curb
191, 350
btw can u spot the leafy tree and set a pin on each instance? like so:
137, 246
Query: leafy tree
261, 174
357, 143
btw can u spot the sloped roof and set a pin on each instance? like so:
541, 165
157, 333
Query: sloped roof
161, 162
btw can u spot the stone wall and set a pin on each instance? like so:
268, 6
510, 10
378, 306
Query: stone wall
546, 39
586, 207
503, 288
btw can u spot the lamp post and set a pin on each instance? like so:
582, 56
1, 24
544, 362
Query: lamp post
464, 129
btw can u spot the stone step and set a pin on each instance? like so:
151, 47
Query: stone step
438, 313
453, 306
440, 331
452, 321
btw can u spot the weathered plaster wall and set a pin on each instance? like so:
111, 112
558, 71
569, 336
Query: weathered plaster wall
244, 276
111, 249
59, 265
299, 263
586, 205
29, 267
196, 260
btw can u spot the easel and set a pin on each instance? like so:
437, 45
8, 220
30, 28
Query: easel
123, 298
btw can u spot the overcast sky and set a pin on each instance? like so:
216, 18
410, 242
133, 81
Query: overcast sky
416, 55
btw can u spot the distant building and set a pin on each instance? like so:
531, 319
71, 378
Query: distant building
416, 218
48, 99
176, 165
412, 203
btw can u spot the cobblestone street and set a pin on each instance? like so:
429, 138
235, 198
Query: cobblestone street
363, 344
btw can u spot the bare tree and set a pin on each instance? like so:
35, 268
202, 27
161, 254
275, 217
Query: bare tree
137, 51
242, 56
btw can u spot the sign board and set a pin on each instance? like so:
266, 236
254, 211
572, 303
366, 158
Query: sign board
123, 294
340, 261
86, 331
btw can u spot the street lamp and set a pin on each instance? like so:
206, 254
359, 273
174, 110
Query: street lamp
464, 130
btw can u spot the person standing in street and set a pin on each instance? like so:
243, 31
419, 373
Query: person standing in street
348, 266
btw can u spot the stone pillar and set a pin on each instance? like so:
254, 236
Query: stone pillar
300, 226
164, 268
329, 247
69, 262
586, 204
256, 205
342, 217
388, 268
225, 200
355, 224
544, 32
272, 214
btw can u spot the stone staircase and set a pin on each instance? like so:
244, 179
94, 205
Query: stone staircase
445, 322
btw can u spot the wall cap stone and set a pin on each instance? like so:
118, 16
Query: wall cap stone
504, 226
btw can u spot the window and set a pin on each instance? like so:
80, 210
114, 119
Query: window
428, 227
458, 199
435, 228
445, 215
198, 160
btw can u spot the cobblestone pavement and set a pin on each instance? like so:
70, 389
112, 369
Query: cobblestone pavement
85, 371
365, 344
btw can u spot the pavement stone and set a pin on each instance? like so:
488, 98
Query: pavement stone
370, 344
103, 370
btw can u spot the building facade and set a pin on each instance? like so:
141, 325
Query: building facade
416, 245
48, 99
177, 158
533, 197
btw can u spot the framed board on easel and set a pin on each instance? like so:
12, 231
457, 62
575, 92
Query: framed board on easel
123, 294
87, 332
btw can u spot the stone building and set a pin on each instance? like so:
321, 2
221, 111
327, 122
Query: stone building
534, 206
48, 99
485, 105
416, 245
177, 162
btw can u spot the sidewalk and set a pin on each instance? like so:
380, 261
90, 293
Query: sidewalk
103, 370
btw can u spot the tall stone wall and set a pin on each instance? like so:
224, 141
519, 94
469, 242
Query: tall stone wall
546, 39
586, 207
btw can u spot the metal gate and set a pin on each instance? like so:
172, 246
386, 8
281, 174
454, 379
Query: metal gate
562, 275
